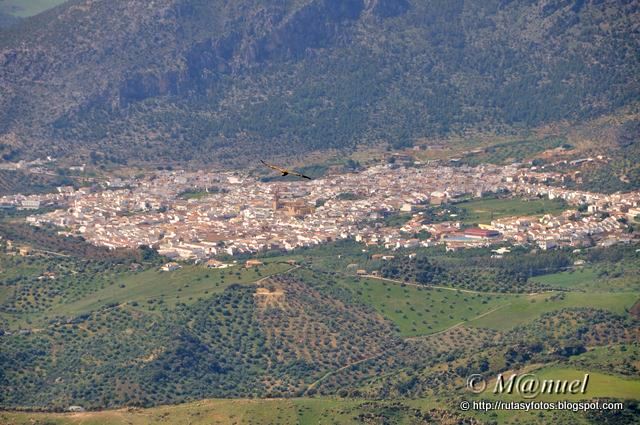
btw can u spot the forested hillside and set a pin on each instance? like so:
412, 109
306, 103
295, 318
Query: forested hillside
216, 80
82, 326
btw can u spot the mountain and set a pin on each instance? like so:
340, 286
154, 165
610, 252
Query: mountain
7, 20
223, 81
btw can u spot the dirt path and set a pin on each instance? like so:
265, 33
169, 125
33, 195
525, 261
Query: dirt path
457, 325
262, 279
448, 288
44, 251
340, 369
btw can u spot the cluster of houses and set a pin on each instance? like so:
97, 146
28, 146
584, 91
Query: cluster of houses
238, 214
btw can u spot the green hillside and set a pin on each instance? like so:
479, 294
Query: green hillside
219, 82
110, 330
419, 311
228, 412
26, 8
525, 309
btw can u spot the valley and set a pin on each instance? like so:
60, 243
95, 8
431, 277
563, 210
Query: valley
319, 212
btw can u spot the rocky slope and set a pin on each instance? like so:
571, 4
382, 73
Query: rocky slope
221, 81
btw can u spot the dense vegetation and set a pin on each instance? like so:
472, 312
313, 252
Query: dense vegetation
620, 174
46, 238
19, 182
616, 166
231, 344
510, 152
118, 332
477, 272
17, 8
81, 325
220, 81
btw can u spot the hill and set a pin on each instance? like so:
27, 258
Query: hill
105, 330
21, 8
321, 411
221, 81
7, 20
195, 336
270, 411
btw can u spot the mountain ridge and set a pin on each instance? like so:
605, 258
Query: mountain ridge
215, 81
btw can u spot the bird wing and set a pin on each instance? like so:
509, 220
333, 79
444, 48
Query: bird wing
300, 175
284, 171
274, 167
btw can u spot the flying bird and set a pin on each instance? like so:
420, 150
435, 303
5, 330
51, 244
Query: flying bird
284, 171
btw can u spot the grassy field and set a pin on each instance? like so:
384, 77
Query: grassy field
578, 279
521, 417
527, 308
512, 151
623, 359
197, 194
303, 411
589, 279
491, 149
146, 290
484, 210
184, 285
25, 8
460, 147
203, 412
416, 311
311, 411
600, 385
422, 311
5, 293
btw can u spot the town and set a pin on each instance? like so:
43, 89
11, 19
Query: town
198, 215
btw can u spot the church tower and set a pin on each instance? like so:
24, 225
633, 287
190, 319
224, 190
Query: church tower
276, 201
